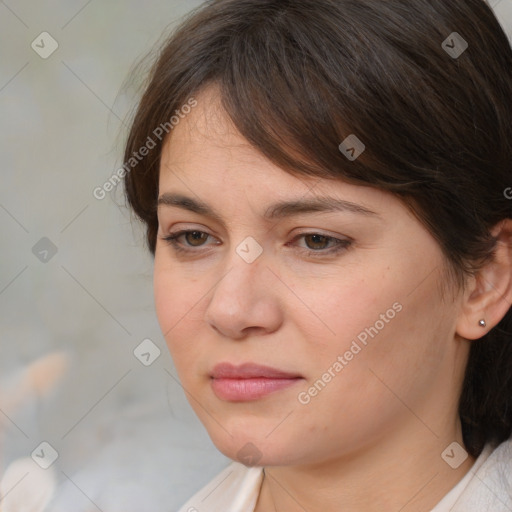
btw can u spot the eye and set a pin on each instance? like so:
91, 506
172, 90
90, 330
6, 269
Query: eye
317, 244
323, 245
189, 235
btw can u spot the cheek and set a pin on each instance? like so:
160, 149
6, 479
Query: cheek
164, 296
396, 362
175, 299
166, 305
339, 309
177, 304
380, 321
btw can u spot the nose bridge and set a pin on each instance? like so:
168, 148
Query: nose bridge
247, 272
244, 296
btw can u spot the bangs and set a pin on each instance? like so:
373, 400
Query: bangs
299, 77
296, 89
425, 85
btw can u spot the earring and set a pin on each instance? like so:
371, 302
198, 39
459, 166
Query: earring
482, 323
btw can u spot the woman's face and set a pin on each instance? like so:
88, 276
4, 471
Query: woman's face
348, 302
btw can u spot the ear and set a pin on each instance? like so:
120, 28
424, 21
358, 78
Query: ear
489, 293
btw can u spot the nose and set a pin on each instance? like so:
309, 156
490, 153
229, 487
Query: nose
246, 300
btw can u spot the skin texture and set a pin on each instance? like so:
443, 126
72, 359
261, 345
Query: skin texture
372, 438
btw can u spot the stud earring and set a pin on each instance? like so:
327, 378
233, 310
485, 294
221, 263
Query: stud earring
482, 323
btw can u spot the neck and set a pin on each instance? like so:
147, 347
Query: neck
386, 477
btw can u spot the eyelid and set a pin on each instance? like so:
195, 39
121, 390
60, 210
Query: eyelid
341, 244
310, 231
313, 231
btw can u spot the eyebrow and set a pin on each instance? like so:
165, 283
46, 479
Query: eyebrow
277, 210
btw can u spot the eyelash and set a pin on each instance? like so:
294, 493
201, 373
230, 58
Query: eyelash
341, 245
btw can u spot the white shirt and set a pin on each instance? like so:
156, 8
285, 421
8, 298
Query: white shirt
487, 487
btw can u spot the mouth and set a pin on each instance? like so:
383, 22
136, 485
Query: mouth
249, 381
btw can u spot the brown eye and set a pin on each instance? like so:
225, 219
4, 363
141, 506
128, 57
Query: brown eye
318, 242
318, 245
194, 238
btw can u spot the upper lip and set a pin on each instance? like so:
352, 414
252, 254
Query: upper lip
249, 371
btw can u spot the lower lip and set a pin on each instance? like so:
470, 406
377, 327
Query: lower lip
240, 390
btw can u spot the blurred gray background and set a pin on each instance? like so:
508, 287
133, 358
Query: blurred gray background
75, 278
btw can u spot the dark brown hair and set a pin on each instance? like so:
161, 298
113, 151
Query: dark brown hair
299, 76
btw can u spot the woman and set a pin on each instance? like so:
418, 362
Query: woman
323, 184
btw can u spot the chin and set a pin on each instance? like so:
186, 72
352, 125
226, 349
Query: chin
255, 450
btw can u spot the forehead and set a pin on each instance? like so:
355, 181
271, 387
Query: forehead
205, 156
205, 137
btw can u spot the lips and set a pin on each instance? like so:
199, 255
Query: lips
249, 371
249, 381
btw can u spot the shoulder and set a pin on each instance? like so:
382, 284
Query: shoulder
235, 488
490, 486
